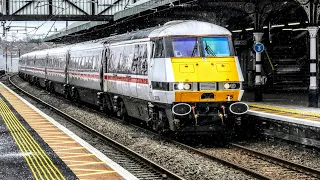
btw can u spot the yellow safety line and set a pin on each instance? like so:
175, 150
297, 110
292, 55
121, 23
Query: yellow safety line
30, 149
25, 155
34, 143
21, 146
285, 110
15, 126
88, 174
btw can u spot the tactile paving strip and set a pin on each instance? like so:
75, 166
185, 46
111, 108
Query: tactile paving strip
285, 112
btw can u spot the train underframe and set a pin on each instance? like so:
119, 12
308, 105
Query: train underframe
201, 118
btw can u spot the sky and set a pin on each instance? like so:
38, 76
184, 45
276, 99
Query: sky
20, 29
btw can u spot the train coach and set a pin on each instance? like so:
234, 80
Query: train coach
179, 77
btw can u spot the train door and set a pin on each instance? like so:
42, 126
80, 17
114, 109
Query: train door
102, 64
151, 57
67, 60
45, 67
134, 70
142, 71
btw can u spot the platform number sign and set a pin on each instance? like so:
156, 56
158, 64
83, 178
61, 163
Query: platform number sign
258, 47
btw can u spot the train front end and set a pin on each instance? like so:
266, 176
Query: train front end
208, 84
204, 83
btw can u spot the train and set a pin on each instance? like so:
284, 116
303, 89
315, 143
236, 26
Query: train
181, 77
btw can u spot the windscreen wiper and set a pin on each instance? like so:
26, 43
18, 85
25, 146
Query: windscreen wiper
209, 50
195, 48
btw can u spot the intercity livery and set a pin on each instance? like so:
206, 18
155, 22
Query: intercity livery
181, 77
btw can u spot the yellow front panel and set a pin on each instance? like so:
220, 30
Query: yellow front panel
195, 96
210, 69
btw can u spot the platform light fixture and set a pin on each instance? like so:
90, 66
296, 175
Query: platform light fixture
265, 27
235, 31
287, 29
299, 29
293, 24
277, 25
249, 29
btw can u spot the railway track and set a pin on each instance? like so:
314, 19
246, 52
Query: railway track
139, 166
252, 162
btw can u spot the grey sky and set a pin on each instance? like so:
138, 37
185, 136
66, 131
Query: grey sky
19, 29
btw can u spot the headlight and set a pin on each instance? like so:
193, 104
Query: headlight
231, 85
226, 85
182, 86
187, 86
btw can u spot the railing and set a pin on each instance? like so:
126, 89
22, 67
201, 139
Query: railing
272, 72
272, 67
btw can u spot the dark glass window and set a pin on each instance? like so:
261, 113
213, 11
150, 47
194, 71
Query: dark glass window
216, 46
185, 47
159, 49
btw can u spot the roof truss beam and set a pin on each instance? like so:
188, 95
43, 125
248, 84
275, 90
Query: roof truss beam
75, 6
23, 7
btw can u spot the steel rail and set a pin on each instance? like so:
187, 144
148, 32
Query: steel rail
166, 173
280, 161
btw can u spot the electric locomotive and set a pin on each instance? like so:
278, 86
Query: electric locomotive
181, 77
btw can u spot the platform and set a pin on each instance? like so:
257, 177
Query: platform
34, 146
289, 107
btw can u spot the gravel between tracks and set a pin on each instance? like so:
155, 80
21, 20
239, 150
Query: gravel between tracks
184, 163
292, 152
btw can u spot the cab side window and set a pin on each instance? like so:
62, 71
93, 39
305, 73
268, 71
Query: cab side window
159, 48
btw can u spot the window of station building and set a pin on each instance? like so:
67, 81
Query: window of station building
185, 47
216, 46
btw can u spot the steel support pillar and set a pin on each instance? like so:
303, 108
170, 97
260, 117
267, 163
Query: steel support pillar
257, 82
314, 72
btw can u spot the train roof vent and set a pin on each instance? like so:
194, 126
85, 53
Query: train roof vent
173, 22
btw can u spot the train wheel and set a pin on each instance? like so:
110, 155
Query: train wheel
37, 83
74, 94
122, 111
107, 105
47, 86
51, 87
161, 124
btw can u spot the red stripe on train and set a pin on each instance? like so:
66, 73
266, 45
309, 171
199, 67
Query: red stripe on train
126, 79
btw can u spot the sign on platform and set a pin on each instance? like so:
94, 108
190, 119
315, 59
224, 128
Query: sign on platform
240, 42
258, 47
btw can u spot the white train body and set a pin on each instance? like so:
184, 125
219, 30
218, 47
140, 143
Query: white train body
172, 77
